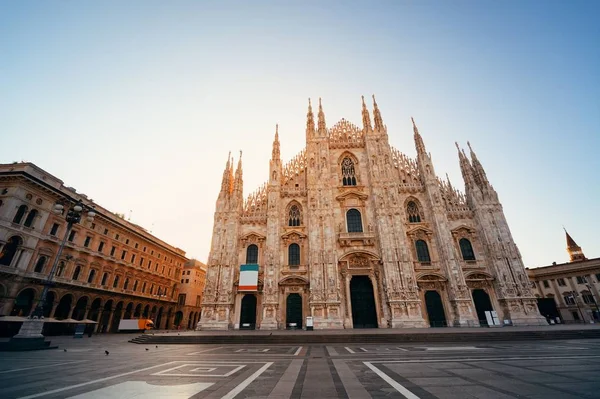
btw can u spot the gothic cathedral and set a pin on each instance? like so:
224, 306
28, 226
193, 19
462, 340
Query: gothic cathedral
355, 234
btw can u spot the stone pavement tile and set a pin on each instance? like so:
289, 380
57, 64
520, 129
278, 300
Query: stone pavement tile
437, 381
353, 387
449, 365
476, 374
567, 368
481, 392
318, 371
586, 389
411, 370
581, 375
522, 388
447, 392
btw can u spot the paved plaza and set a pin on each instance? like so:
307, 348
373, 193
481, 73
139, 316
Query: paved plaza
546, 369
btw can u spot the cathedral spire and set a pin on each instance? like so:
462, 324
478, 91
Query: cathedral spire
478, 169
365, 116
465, 166
239, 182
419, 144
310, 122
322, 126
275, 154
574, 250
377, 116
226, 175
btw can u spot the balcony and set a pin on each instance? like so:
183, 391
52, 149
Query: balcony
363, 238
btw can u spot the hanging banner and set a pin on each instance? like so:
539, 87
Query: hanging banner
248, 278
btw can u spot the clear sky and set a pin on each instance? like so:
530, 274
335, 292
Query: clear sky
137, 103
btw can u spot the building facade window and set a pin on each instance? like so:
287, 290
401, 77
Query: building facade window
546, 285
294, 254
54, 229
569, 299
72, 235
348, 172
30, 218
587, 297
252, 254
116, 282
20, 213
91, 276
86, 243
413, 212
466, 249
561, 282
354, 221
123, 254
112, 250
77, 272
126, 284
581, 279
39, 266
422, 251
104, 278
60, 269
294, 216
9, 250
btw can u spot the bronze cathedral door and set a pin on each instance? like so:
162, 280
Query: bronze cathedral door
362, 298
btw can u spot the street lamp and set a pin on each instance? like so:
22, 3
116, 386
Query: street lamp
30, 335
574, 295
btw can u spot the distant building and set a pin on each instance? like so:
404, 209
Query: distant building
192, 283
355, 234
570, 291
110, 269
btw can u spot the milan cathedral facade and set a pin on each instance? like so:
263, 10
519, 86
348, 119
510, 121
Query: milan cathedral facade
355, 234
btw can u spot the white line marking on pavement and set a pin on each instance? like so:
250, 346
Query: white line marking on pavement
233, 393
402, 349
204, 351
37, 367
405, 392
136, 389
286, 383
353, 387
363, 349
349, 350
37, 395
332, 351
166, 372
479, 359
298, 351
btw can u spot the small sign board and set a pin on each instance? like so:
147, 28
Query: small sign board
309, 322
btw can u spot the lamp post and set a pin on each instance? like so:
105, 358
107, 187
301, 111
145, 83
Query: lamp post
30, 335
574, 295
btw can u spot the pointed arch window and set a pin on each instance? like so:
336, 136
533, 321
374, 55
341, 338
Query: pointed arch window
77, 272
252, 254
30, 218
39, 266
466, 249
348, 172
294, 216
91, 276
20, 213
422, 251
294, 254
354, 221
413, 212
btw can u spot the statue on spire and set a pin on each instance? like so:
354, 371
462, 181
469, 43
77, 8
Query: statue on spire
322, 126
365, 116
377, 116
480, 175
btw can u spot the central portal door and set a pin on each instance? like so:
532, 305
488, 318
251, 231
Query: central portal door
248, 312
293, 312
364, 314
435, 309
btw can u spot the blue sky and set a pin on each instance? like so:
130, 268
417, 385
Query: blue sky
137, 103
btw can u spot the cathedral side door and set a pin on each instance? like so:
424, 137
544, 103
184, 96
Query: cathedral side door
482, 305
248, 312
362, 298
293, 312
435, 309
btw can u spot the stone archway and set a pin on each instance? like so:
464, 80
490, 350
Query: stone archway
24, 303
293, 311
248, 312
435, 309
362, 298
